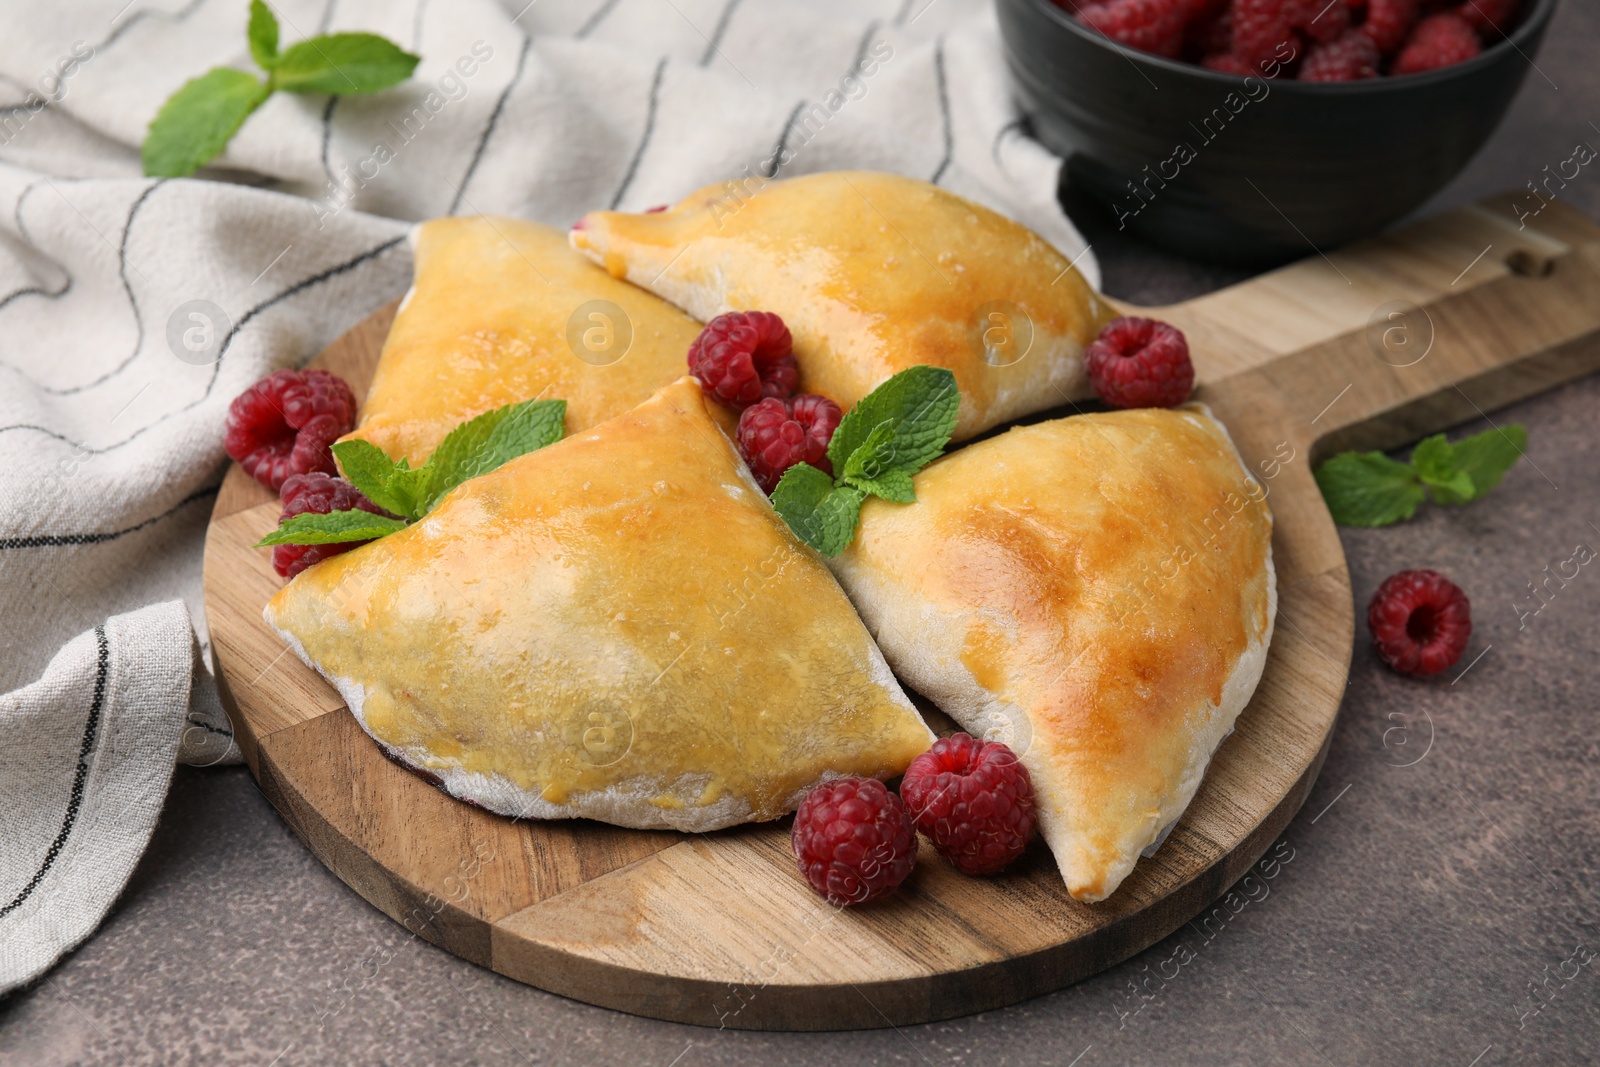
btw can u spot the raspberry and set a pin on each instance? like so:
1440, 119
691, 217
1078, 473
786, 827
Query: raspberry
1350, 58
743, 356
284, 423
1148, 25
1227, 63
1437, 41
1491, 18
318, 493
1421, 622
1140, 363
853, 840
1211, 35
974, 799
1321, 20
776, 434
1388, 22
1260, 29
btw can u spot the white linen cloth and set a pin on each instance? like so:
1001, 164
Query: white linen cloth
133, 310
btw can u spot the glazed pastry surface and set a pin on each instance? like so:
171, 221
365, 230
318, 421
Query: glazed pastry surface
487, 323
1098, 593
872, 273
617, 626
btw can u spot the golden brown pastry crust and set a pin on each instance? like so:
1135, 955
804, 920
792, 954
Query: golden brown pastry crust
486, 324
873, 273
1097, 592
617, 626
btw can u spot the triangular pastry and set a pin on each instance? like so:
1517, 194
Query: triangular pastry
502, 310
617, 626
1097, 592
872, 273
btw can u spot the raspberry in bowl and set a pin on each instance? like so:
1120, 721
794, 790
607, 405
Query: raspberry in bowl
1280, 135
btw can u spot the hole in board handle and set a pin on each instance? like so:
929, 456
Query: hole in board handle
1530, 264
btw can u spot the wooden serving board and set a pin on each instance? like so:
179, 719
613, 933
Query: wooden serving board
718, 929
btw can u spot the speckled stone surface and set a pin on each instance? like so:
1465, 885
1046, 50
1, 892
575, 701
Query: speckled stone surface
1434, 903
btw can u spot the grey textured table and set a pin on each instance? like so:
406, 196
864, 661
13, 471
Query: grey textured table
1438, 887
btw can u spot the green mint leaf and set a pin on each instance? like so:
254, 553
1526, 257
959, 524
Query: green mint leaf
342, 64
920, 406
309, 528
1486, 456
263, 35
379, 478
821, 514
484, 443
1368, 489
199, 120
892, 485
1434, 460
410, 485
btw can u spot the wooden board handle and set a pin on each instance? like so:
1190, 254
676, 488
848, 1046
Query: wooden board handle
1411, 332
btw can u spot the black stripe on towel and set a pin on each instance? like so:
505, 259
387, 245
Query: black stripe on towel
644, 139
75, 801
944, 110
57, 540
494, 119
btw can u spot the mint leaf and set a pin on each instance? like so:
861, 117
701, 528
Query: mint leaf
199, 120
263, 35
891, 434
342, 64
874, 457
919, 403
484, 443
891, 485
309, 528
1368, 489
392, 486
821, 514
1435, 463
1486, 456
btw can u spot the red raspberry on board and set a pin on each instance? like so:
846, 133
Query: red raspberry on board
318, 493
1261, 32
284, 423
1437, 41
1321, 20
1227, 63
1491, 18
853, 840
776, 434
1149, 25
1421, 622
743, 356
1140, 363
1351, 58
1388, 23
974, 799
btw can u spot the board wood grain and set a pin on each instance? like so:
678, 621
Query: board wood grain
717, 929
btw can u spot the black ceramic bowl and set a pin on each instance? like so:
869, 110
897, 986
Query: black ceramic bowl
1252, 171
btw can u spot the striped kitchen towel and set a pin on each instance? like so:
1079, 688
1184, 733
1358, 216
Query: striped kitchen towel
132, 311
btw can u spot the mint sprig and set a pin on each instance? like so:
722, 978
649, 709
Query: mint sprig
475, 447
895, 431
199, 120
1370, 489
310, 528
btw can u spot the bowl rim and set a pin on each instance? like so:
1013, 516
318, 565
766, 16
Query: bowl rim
1533, 21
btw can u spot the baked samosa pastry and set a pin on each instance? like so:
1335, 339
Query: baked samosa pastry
502, 310
617, 626
1098, 593
872, 273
